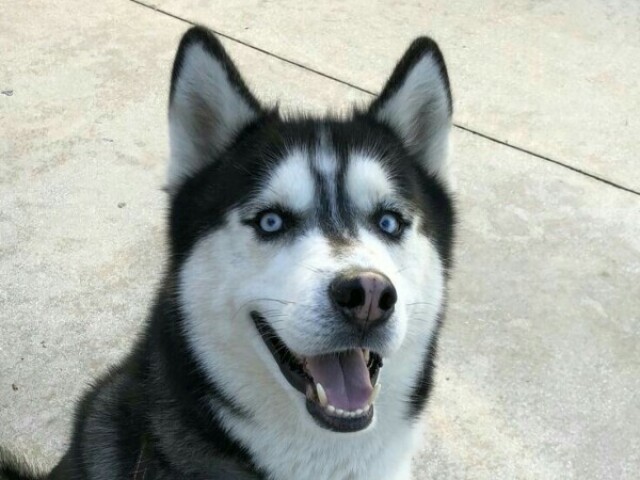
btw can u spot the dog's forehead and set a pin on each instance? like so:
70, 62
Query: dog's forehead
291, 184
306, 178
368, 182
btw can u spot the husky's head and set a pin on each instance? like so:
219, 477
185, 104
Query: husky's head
308, 252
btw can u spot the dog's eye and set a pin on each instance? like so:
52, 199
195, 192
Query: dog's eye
270, 222
390, 223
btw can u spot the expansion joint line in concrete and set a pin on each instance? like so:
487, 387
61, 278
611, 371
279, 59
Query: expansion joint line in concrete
369, 92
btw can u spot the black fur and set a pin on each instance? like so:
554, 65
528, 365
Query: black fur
155, 405
421, 391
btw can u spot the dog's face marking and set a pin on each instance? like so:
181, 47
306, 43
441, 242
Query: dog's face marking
291, 184
272, 219
368, 184
298, 268
322, 191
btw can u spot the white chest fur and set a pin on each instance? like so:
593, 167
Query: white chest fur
382, 452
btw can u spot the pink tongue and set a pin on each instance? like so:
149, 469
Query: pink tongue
345, 378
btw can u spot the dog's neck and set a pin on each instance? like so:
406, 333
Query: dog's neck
180, 395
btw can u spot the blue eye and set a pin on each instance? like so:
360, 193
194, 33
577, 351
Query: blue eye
390, 223
270, 222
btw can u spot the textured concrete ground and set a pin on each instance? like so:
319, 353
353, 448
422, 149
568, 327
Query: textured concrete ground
539, 372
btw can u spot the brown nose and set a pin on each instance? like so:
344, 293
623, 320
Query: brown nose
366, 299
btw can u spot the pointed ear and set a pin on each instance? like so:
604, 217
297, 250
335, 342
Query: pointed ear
209, 104
416, 104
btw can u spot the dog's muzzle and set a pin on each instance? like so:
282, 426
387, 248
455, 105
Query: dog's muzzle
340, 387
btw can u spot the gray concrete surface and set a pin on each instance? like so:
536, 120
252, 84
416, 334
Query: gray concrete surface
539, 372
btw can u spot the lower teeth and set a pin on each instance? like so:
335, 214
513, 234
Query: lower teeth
322, 399
338, 412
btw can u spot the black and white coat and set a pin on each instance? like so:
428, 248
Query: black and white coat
202, 395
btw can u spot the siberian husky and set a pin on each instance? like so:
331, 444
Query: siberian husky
294, 335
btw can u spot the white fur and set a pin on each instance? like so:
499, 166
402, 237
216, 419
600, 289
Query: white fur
204, 115
367, 183
230, 273
419, 113
290, 184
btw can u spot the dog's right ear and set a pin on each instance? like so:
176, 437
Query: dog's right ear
209, 104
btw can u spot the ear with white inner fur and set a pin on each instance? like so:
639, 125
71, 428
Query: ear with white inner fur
416, 104
209, 104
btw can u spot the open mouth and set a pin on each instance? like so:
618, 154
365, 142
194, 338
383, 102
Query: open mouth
340, 387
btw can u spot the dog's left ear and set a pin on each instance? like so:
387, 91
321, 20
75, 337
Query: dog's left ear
209, 104
416, 104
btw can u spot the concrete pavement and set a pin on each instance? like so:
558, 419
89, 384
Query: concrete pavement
539, 367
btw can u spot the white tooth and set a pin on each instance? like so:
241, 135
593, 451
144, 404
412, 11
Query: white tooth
331, 409
322, 396
340, 412
367, 408
366, 355
374, 394
359, 412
